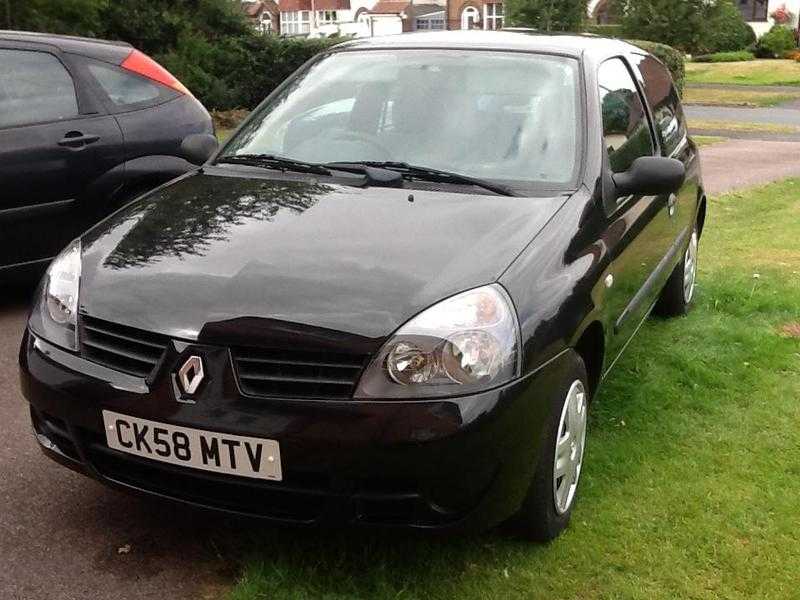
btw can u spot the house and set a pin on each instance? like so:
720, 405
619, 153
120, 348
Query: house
759, 13
263, 15
474, 14
397, 16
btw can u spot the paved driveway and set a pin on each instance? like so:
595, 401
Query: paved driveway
61, 533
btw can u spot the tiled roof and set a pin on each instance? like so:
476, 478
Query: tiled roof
390, 7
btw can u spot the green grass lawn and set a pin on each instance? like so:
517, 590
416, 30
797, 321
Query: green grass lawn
736, 97
692, 473
754, 72
708, 140
713, 125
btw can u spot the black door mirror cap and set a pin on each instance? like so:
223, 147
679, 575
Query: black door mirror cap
197, 148
650, 176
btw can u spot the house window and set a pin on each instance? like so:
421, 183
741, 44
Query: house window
264, 23
753, 10
326, 17
493, 16
470, 18
296, 23
431, 22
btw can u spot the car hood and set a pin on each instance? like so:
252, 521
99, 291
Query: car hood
248, 260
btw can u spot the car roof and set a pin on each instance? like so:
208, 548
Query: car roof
524, 40
100, 49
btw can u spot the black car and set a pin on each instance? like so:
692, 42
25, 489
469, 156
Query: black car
85, 125
389, 298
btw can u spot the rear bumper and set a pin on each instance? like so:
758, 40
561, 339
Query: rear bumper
462, 463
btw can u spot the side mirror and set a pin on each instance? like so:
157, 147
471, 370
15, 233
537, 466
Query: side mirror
650, 176
198, 147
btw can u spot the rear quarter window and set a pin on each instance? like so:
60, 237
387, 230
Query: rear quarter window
670, 122
125, 90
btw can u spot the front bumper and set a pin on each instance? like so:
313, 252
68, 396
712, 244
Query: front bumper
460, 463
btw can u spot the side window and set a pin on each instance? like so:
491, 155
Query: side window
123, 88
34, 88
663, 98
626, 131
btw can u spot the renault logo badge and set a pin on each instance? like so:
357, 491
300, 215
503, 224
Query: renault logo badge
191, 375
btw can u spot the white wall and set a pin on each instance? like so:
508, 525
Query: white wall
762, 27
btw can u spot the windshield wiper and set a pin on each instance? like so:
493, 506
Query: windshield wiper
272, 161
427, 173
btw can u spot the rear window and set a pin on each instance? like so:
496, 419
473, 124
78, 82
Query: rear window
127, 90
34, 88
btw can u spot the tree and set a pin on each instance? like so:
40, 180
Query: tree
548, 15
694, 26
75, 17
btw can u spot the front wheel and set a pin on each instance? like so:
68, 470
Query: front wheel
546, 511
678, 293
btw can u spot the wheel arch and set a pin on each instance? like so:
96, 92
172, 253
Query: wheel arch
591, 346
701, 215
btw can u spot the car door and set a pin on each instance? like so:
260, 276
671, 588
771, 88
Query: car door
638, 232
671, 130
54, 142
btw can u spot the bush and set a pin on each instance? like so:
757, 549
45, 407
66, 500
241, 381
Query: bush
720, 57
610, 30
776, 42
547, 15
238, 72
726, 29
693, 26
672, 59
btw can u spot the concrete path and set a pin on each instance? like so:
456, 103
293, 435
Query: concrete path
742, 163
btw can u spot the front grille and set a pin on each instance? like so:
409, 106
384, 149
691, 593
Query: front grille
119, 347
292, 374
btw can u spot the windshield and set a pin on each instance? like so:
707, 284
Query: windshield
509, 117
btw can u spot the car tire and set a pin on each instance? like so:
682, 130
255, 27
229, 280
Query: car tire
547, 508
678, 293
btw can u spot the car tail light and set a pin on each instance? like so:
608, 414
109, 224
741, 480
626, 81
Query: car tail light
141, 64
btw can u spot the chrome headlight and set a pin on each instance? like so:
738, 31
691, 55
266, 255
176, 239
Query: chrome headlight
464, 344
55, 313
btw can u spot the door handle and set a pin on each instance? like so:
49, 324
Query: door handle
671, 203
77, 139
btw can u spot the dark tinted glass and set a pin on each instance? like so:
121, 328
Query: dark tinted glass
625, 128
34, 88
122, 87
663, 98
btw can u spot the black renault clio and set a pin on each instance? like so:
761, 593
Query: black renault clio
389, 298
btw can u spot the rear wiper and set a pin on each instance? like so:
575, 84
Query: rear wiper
272, 161
429, 174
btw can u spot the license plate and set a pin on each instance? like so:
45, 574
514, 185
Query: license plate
258, 458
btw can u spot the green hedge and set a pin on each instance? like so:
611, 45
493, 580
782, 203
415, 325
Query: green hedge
720, 57
610, 30
776, 42
238, 72
672, 58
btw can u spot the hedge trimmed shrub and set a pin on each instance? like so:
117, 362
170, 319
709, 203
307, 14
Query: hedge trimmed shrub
239, 72
726, 30
776, 42
610, 30
672, 59
721, 57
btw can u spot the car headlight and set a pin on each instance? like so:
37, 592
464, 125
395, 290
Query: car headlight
55, 313
464, 344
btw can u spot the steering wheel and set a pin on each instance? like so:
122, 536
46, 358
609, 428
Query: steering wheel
364, 138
